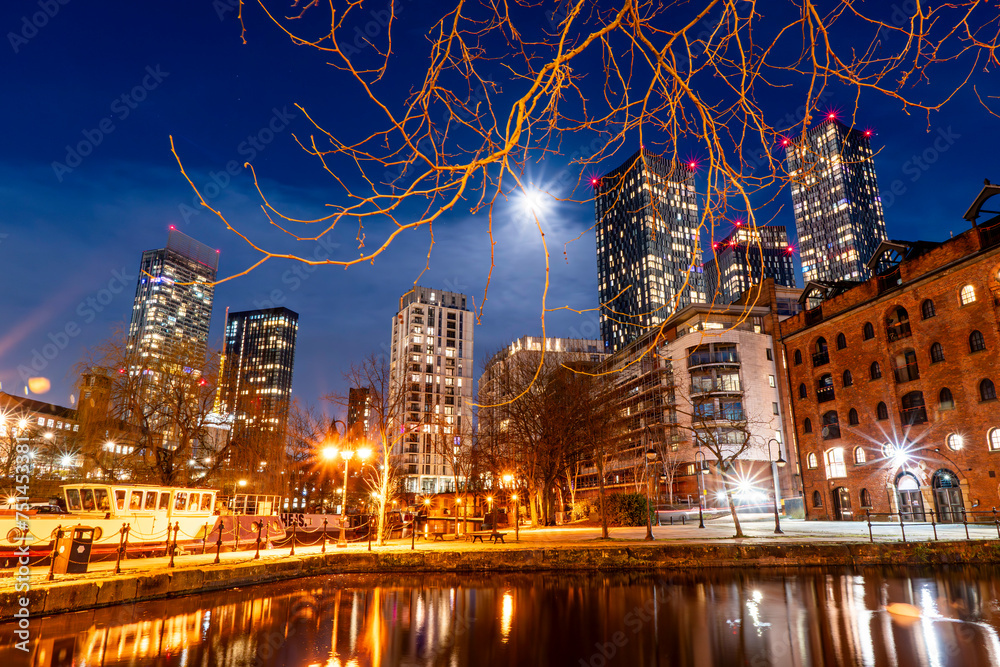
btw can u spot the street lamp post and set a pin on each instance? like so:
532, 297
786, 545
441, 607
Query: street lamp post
650, 457
517, 520
346, 454
780, 463
701, 486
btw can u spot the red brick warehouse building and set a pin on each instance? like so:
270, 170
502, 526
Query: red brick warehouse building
894, 380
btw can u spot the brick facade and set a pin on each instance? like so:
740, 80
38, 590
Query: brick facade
896, 462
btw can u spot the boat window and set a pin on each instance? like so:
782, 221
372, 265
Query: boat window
180, 501
103, 502
206, 502
135, 501
193, 503
164, 500
87, 496
120, 498
151, 500
73, 499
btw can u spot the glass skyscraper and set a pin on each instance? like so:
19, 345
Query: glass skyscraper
648, 254
838, 211
747, 257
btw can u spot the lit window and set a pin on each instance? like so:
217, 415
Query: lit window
994, 439
835, 463
967, 295
859, 455
812, 461
955, 442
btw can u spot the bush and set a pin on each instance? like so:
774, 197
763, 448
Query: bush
582, 510
627, 509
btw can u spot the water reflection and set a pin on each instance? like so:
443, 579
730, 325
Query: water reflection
759, 618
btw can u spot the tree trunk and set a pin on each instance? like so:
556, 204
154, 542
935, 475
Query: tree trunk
533, 502
604, 502
732, 510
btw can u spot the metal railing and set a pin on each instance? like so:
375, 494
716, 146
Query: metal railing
898, 331
702, 358
907, 373
821, 358
824, 394
915, 415
917, 521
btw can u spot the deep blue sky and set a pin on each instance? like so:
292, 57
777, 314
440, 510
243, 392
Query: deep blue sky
68, 236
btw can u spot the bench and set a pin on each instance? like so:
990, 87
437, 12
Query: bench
480, 534
438, 536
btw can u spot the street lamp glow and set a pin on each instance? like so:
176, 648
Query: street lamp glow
346, 454
49, 435
329, 453
242, 482
23, 423
364, 453
66, 461
110, 446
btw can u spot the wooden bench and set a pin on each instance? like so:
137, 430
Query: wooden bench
438, 536
480, 534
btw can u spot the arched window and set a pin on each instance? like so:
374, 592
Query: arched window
868, 331
927, 309
803, 392
967, 295
976, 342
913, 411
831, 425
821, 354
852, 417
835, 466
937, 353
807, 426
848, 378
812, 461
881, 412
993, 438
875, 371
955, 441
841, 341
897, 324
945, 400
987, 390
824, 389
859, 455
817, 499
866, 499
798, 357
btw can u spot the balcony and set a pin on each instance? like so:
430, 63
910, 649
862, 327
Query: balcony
989, 236
824, 394
889, 281
709, 358
724, 415
821, 358
911, 416
716, 387
814, 316
907, 373
898, 332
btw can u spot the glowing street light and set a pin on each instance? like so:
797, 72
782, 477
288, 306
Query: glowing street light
346, 454
329, 453
242, 482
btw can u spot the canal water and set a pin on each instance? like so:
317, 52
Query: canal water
753, 617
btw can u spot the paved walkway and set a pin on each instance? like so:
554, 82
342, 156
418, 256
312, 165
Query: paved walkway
718, 530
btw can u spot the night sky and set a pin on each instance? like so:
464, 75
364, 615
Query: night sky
71, 238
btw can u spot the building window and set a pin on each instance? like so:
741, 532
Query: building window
774, 408
770, 355
875, 371
841, 341
993, 438
848, 378
976, 342
967, 295
852, 417
937, 353
913, 411
945, 400
866, 499
831, 425
868, 331
812, 461
807, 426
802, 391
798, 357
835, 463
770, 380
817, 499
821, 355
824, 389
955, 442
881, 412
987, 390
927, 309
859, 455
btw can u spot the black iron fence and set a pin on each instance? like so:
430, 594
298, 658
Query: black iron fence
917, 524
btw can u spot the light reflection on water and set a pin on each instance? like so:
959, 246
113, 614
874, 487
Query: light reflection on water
758, 618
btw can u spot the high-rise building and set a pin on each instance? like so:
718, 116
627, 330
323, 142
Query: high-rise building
173, 299
838, 211
431, 367
648, 256
358, 411
256, 384
747, 257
